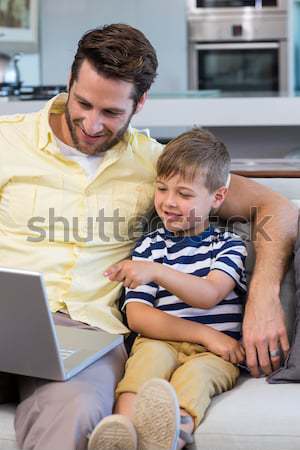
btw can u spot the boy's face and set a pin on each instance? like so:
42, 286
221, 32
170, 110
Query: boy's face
184, 206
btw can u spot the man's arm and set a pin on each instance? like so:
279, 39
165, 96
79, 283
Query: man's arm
273, 232
155, 324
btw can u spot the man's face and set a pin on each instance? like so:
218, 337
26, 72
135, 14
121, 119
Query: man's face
98, 111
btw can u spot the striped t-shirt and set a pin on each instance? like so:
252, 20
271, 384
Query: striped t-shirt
195, 255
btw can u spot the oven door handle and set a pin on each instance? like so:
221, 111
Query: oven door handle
238, 46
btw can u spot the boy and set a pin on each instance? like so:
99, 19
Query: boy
185, 288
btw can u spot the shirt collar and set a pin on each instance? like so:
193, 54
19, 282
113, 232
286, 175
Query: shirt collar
188, 239
46, 135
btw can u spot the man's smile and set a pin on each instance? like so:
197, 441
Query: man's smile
91, 138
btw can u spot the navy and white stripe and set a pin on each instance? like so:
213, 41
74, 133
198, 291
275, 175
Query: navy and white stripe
195, 255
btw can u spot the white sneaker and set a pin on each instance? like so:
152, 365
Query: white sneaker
114, 432
157, 416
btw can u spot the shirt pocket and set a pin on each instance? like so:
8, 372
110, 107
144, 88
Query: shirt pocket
116, 211
17, 203
28, 200
48, 203
115, 208
132, 203
145, 199
143, 213
125, 199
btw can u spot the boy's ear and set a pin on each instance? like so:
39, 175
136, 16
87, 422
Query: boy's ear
219, 196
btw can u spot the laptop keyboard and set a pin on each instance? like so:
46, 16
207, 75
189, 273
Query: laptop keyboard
66, 353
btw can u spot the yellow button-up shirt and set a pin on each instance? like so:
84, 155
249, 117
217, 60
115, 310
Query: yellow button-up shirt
54, 220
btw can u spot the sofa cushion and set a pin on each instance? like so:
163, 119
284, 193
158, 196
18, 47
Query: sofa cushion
254, 415
7, 432
287, 289
290, 372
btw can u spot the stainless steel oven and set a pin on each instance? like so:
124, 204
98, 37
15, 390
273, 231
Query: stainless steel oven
239, 50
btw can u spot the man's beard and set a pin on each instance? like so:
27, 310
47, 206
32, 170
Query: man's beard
97, 149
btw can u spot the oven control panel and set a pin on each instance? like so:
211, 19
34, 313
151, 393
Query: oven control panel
236, 28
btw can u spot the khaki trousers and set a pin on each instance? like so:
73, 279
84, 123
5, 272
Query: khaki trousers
196, 374
60, 415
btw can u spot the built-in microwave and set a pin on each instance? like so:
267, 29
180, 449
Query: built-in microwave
195, 5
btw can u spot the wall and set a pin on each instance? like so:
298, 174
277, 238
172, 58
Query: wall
163, 21
29, 65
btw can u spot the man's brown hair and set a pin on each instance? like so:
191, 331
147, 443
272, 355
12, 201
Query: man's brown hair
118, 51
193, 152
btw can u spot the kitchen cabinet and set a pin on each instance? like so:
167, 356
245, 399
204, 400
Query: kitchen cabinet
19, 26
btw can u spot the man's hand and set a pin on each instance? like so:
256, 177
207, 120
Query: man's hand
228, 348
264, 330
132, 273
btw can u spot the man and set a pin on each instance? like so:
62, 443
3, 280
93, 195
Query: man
72, 178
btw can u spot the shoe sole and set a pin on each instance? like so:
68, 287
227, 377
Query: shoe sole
157, 416
114, 432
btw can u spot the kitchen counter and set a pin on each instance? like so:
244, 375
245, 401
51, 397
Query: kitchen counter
266, 167
220, 112
182, 111
19, 107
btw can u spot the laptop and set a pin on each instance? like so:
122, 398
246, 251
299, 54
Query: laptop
31, 344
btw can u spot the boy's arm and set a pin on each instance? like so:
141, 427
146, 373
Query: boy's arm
156, 324
191, 289
194, 290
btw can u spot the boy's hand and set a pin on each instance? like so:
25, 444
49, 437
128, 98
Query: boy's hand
228, 348
132, 273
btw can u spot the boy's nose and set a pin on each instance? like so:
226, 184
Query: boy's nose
171, 200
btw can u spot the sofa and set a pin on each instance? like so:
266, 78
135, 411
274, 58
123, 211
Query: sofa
255, 415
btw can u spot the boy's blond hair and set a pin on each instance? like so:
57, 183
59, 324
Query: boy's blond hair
193, 152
